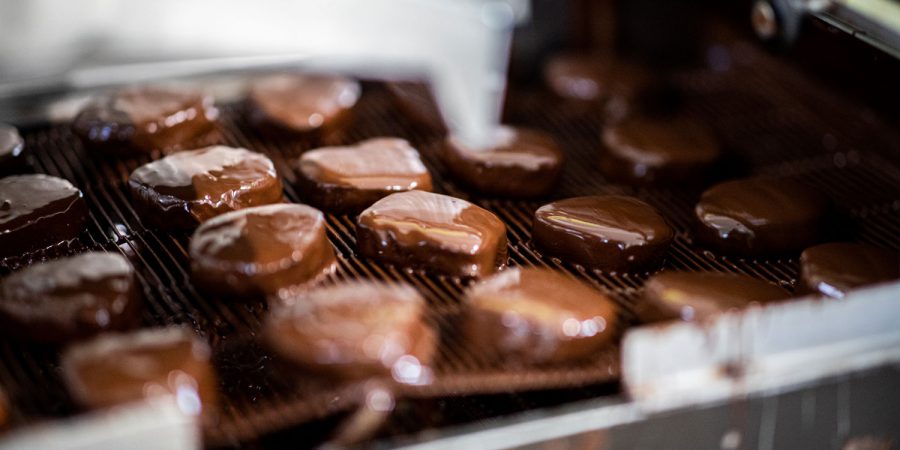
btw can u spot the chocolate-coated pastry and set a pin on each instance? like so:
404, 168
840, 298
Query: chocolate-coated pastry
302, 103
12, 149
434, 232
346, 180
260, 250
755, 217
355, 329
646, 149
416, 101
692, 296
521, 163
143, 119
69, 298
37, 212
835, 268
185, 189
610, 232
114, 368
537, 316
594, 77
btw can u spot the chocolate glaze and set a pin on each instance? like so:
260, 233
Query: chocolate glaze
644, 149
12, 150
693, 296
835, 268
355, 329
260, 250
417, 103
434, 232
755, 217
37, 212
143, 119
184, 189
346, 180
4, 410
301, 103
521, 164
610, 233
117, 368
69, 298
537, 316
597, 77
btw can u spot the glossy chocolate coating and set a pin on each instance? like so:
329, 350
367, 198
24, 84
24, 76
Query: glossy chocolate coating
185, 189
37, 212
755, 217
355, 329
835, 268
260, 250
346, 180
434, 232
12, 149
4, 410
301, 103
70, 298
643, 149
143, 119
537, 316
521, 164
610, 233
693, 296
417, 102
117, 368
594, 77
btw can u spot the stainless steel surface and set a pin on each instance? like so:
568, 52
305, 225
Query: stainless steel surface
832, 413
876, 22
778, 121
461, 47
762, 349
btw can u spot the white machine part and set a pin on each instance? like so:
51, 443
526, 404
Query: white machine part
460, 46
151, 424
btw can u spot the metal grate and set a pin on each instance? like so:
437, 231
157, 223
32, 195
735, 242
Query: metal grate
771, 117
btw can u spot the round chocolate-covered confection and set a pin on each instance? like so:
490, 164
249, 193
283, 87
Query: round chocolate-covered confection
355, 329
302, 103
594, 77
12, 149
144, 119
645, 149
416, 101
520, 164
114, 369
185, 189
434, 232
693, 296
38, 212
260, 250
537, 316
70, 298
835, 268
755, 217
346, 180
610, 233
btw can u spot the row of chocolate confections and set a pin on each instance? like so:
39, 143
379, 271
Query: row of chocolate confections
414, 229
648, 140
248, 243
74, 298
